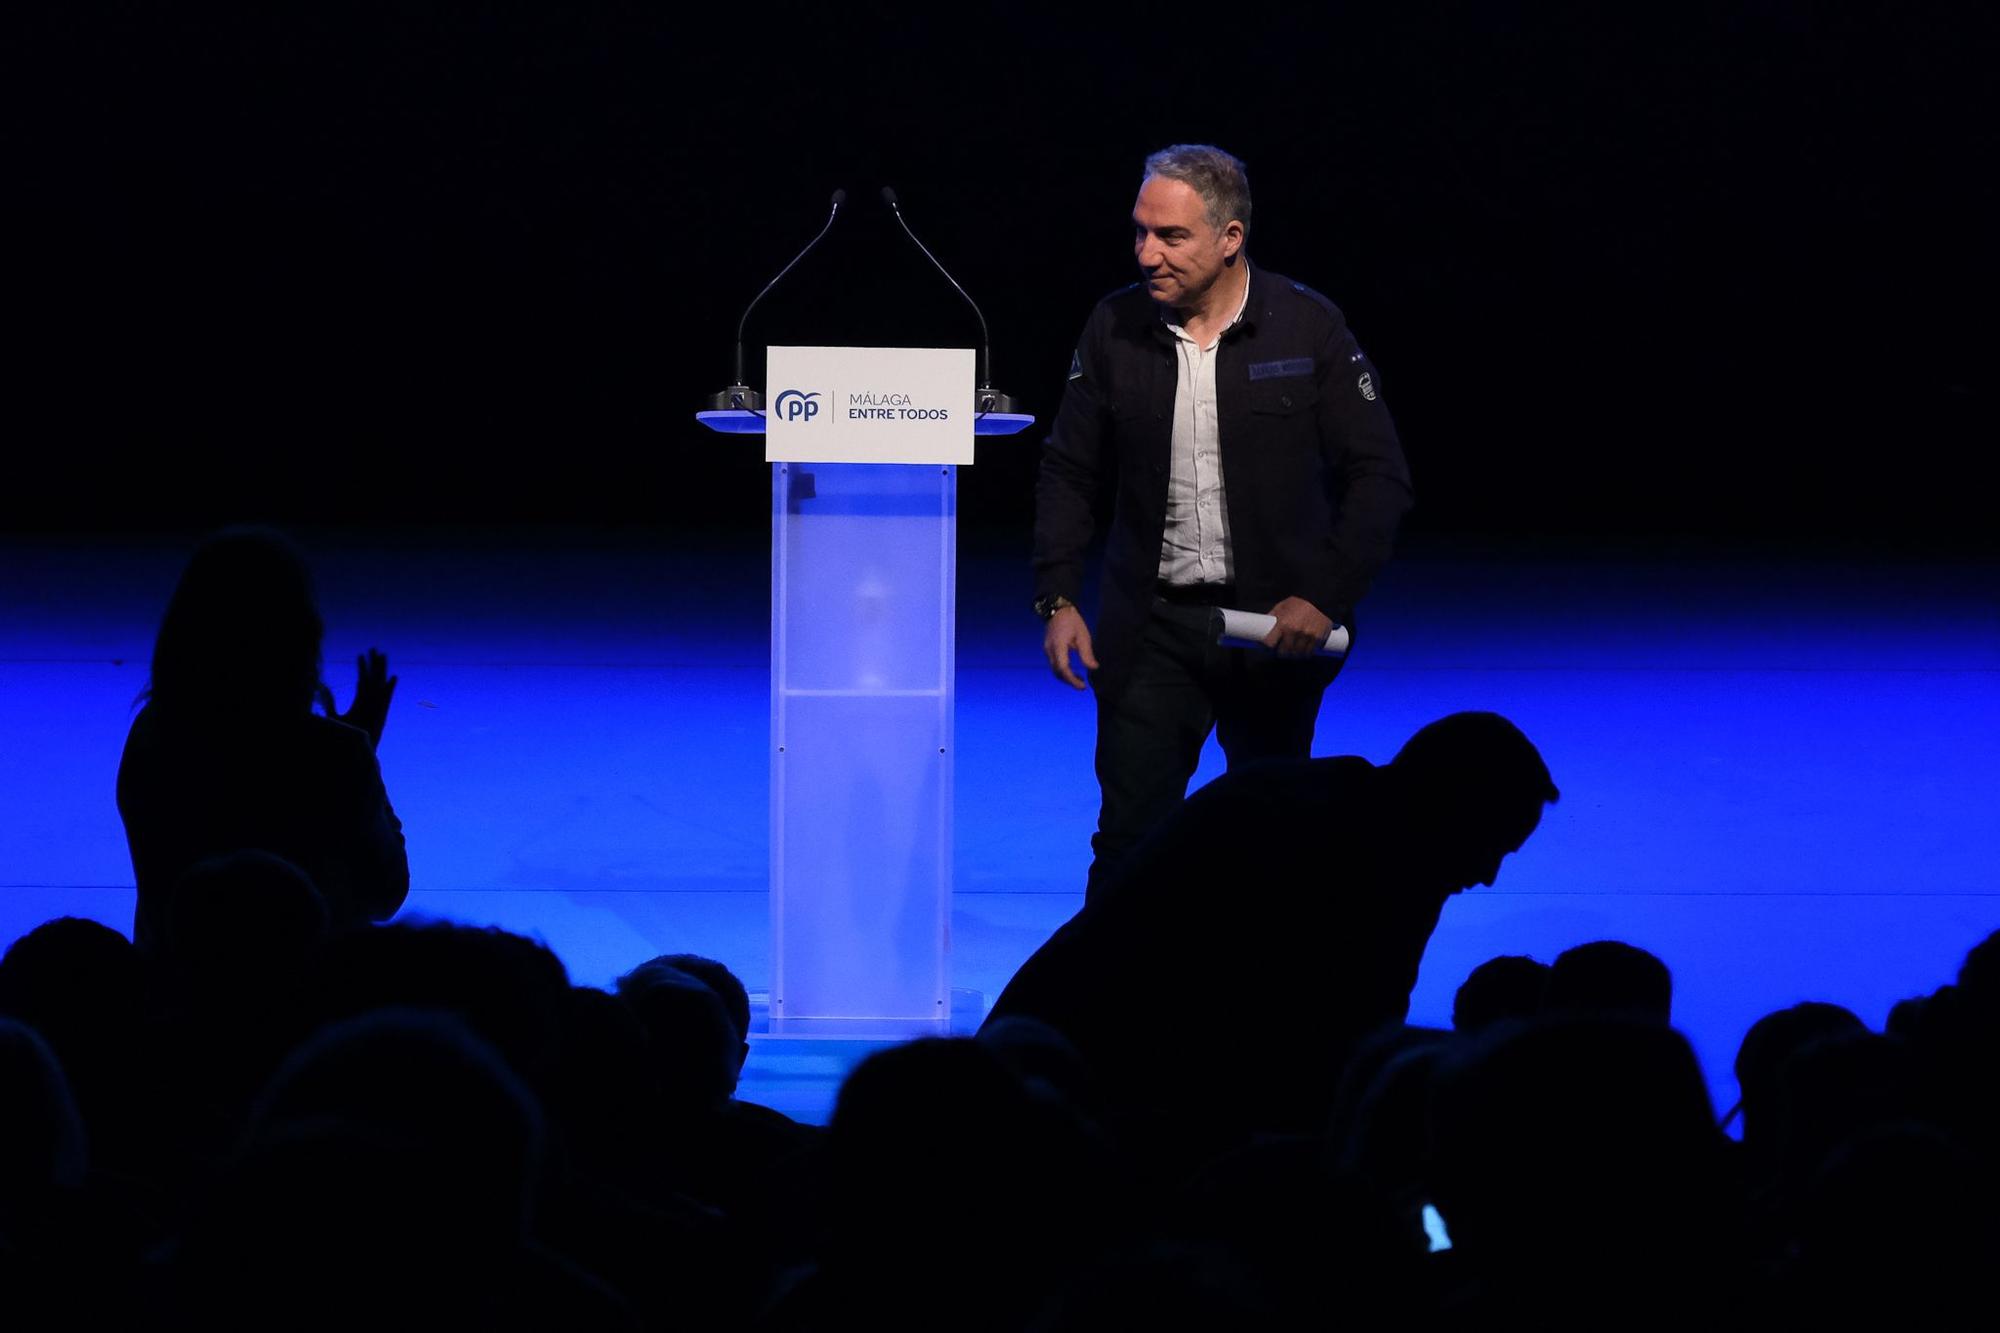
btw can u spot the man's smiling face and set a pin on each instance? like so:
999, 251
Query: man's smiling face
1180, 252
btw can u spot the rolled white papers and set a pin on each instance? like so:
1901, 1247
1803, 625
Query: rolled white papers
1246, 629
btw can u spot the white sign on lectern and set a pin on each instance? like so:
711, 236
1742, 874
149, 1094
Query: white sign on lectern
869, 405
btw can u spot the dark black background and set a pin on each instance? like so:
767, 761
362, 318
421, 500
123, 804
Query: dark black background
1625, 269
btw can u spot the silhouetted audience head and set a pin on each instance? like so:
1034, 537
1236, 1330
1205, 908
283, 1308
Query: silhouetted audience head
1371, 1055
1575, 1157
1774, 1039
241, 637
1895, 1229
1040, 1056
1473, 787
422, 1081
1837, 1087
73, 978
695, 1046
241, 920
1954, 1032
1912, 1017
1979, 974
903, 1113
83, 987
605, 1097
508, 989
727, 986
1613, 980
1509, 987
390, 1172
944, 1164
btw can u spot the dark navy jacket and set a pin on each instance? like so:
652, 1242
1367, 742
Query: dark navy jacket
1313, 473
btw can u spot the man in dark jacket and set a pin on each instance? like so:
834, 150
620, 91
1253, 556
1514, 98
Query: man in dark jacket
1250, 462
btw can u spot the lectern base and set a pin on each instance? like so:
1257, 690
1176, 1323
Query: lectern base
968, 1010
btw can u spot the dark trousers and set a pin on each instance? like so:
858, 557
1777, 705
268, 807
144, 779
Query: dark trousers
1183, 685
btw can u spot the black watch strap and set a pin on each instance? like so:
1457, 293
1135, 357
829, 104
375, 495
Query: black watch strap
1046, 607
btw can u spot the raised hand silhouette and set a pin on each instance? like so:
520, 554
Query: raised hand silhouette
373, 688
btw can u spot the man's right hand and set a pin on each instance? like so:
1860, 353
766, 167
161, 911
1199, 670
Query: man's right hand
1066, 633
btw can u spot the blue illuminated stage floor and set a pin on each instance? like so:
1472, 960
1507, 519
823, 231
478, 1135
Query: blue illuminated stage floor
1778, 774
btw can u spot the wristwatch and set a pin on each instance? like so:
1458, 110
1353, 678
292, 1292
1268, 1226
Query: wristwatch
1046, 607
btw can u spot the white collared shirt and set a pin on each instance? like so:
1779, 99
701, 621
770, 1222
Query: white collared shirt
1195, 547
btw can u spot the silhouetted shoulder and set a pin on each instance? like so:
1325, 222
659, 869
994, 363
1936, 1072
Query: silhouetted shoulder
1298, 806
137, 741
1291, 781
339, 739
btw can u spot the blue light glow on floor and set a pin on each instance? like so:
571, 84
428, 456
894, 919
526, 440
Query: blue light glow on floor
1778, 775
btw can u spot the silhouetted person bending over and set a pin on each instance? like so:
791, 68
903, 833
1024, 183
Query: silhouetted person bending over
228, 755
1275, 919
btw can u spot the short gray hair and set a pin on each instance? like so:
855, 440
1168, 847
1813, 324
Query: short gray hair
1220, 180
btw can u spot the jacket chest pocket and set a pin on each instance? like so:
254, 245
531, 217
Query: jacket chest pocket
1283, 398
1284, 419
1139, 431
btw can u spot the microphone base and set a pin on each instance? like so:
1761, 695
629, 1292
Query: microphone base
992, 400
736, 398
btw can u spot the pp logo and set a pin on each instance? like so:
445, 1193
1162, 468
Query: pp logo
793, 405
1366, 384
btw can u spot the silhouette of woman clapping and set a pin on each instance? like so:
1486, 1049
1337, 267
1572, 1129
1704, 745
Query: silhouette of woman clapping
229, 755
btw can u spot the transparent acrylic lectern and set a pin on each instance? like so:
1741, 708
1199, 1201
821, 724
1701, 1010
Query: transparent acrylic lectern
863, 617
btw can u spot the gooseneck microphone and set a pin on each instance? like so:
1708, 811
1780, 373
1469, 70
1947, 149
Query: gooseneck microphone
740, 395
987, 399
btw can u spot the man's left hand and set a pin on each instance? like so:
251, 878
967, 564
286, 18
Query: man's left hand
1300, 630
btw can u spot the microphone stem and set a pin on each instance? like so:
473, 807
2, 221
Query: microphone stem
743, 322
985, 339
